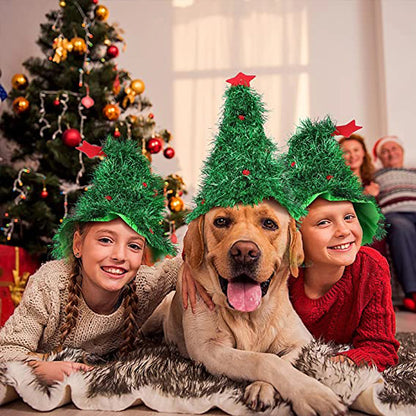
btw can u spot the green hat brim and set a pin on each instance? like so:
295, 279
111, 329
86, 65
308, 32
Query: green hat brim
66, 232
367, 212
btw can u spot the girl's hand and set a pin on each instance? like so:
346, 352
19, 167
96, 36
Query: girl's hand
51, 372
188, 289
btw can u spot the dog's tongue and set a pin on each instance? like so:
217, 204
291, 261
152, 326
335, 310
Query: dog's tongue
244, 297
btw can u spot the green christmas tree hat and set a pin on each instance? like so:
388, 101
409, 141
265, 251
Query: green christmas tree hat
314, 167
122, 187
242, 167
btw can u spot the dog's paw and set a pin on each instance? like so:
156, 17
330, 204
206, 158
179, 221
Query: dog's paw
317, 399
259, 396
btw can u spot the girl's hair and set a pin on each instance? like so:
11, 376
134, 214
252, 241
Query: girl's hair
131, 303
367, 168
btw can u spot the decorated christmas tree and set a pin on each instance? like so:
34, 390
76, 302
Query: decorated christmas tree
61, 113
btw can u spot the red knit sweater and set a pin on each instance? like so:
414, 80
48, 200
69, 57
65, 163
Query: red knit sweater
357, 310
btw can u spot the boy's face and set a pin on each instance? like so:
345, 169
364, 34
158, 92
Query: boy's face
111, 254
331, 233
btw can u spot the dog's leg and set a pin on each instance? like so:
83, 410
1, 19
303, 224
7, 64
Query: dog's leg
212, 346
260, 396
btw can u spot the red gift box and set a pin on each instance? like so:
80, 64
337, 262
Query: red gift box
16, 265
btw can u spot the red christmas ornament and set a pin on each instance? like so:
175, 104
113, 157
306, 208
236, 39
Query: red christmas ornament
56, 102
112, 51
44, 193
154, 145
241, 117
168, 153
116, 133
293, 164
151, 116
246, 172
95, 1
241, 79
71, 137
108, 198
329, 177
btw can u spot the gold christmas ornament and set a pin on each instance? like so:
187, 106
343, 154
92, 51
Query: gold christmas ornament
20, 105
61, 47
19, 81
101, 13
78, 45
111, 112
62, 4
137, 85
176, 204
130, 96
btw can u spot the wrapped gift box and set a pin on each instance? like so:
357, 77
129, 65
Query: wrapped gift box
16, 265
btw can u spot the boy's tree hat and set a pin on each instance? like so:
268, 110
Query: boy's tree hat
314, 166
122, 187
242, 167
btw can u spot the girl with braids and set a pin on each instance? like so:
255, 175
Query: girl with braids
97, 294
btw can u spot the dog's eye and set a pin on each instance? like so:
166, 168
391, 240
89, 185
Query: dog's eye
270, 224
222, 222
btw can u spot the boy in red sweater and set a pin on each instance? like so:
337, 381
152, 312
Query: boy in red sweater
343, 292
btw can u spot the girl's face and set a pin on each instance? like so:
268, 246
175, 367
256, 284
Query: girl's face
111, 254
353, 153
331, 233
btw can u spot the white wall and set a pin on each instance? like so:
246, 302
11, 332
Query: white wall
350, 59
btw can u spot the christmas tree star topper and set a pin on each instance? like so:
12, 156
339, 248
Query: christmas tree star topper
241, 79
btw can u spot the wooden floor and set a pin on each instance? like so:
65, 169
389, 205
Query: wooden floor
406, 322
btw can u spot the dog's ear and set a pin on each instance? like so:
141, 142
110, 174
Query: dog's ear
296, 255
193, 243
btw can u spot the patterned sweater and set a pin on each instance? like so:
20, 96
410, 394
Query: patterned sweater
357, 310
35, 323
397, 190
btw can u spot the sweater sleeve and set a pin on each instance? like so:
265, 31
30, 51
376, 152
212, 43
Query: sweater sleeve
374, 340
154, 283
21, 333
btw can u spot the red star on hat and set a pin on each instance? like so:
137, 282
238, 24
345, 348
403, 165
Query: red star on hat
346, 130
241, 79
91, 150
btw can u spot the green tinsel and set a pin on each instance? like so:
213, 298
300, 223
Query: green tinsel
315, 166
124, 187
242, 167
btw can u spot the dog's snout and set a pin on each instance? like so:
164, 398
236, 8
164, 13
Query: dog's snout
245, 252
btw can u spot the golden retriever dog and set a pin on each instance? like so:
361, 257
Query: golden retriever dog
242, 256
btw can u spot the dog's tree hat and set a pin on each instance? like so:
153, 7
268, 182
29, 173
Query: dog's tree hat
314, 166
242, 166
122, 187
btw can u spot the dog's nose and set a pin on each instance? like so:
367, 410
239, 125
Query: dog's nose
245, 252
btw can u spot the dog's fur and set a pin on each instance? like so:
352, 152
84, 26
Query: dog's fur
258, 242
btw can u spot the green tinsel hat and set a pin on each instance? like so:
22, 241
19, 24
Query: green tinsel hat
314, 166
242, 167
122, 187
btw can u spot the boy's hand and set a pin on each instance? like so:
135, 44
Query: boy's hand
51, 372
190, 287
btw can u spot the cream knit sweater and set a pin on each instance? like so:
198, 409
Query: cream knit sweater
34, 325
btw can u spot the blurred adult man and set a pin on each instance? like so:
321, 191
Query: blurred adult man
397, 200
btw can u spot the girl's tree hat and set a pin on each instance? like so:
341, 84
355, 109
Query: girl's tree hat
314, 166
122, 187
242, 167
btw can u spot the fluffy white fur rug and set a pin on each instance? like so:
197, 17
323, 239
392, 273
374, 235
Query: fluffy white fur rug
156, 375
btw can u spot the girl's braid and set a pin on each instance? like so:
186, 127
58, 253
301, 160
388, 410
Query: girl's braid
71, 309
131, 328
